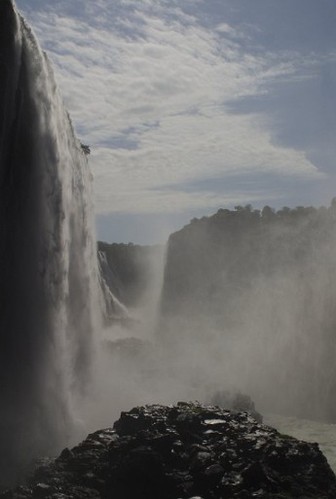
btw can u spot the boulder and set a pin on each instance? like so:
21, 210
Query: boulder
186, 451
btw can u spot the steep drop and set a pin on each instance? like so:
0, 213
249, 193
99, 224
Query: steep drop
48, 264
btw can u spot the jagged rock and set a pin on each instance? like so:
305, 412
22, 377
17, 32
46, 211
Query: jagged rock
187, 451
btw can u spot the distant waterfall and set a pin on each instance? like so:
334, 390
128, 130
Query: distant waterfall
48, 263
114, 308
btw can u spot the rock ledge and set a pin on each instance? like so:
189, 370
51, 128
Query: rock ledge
184, 451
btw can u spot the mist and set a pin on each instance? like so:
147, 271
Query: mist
248, 298
245, 304
242, 301
50, 299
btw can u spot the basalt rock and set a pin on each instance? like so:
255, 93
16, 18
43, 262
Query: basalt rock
181, 452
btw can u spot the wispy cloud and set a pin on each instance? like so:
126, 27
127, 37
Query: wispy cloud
149, 88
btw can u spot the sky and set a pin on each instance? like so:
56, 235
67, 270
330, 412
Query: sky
194, 105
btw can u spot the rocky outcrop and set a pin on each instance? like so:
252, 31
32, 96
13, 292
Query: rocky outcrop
184, 451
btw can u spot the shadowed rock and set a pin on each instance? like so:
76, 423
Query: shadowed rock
184, 451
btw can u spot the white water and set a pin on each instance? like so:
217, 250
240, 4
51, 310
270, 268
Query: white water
310, 431
49, 277
48, 266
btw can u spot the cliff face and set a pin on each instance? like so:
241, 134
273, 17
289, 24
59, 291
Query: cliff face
217, 258
184, 451
253, 294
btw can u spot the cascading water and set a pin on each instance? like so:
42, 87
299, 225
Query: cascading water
48, 265
112, 306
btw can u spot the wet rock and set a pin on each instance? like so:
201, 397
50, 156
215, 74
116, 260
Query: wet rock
187, 451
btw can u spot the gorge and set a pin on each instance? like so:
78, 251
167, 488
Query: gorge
242, 301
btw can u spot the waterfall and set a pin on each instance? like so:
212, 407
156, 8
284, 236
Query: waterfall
114, 309
48, 264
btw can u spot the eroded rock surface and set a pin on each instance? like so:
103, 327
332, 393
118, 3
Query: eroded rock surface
184, 451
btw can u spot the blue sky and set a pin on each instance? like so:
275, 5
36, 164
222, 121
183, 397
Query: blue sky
194, 105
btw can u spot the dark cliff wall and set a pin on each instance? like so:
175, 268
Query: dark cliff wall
258, 289
227, 252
